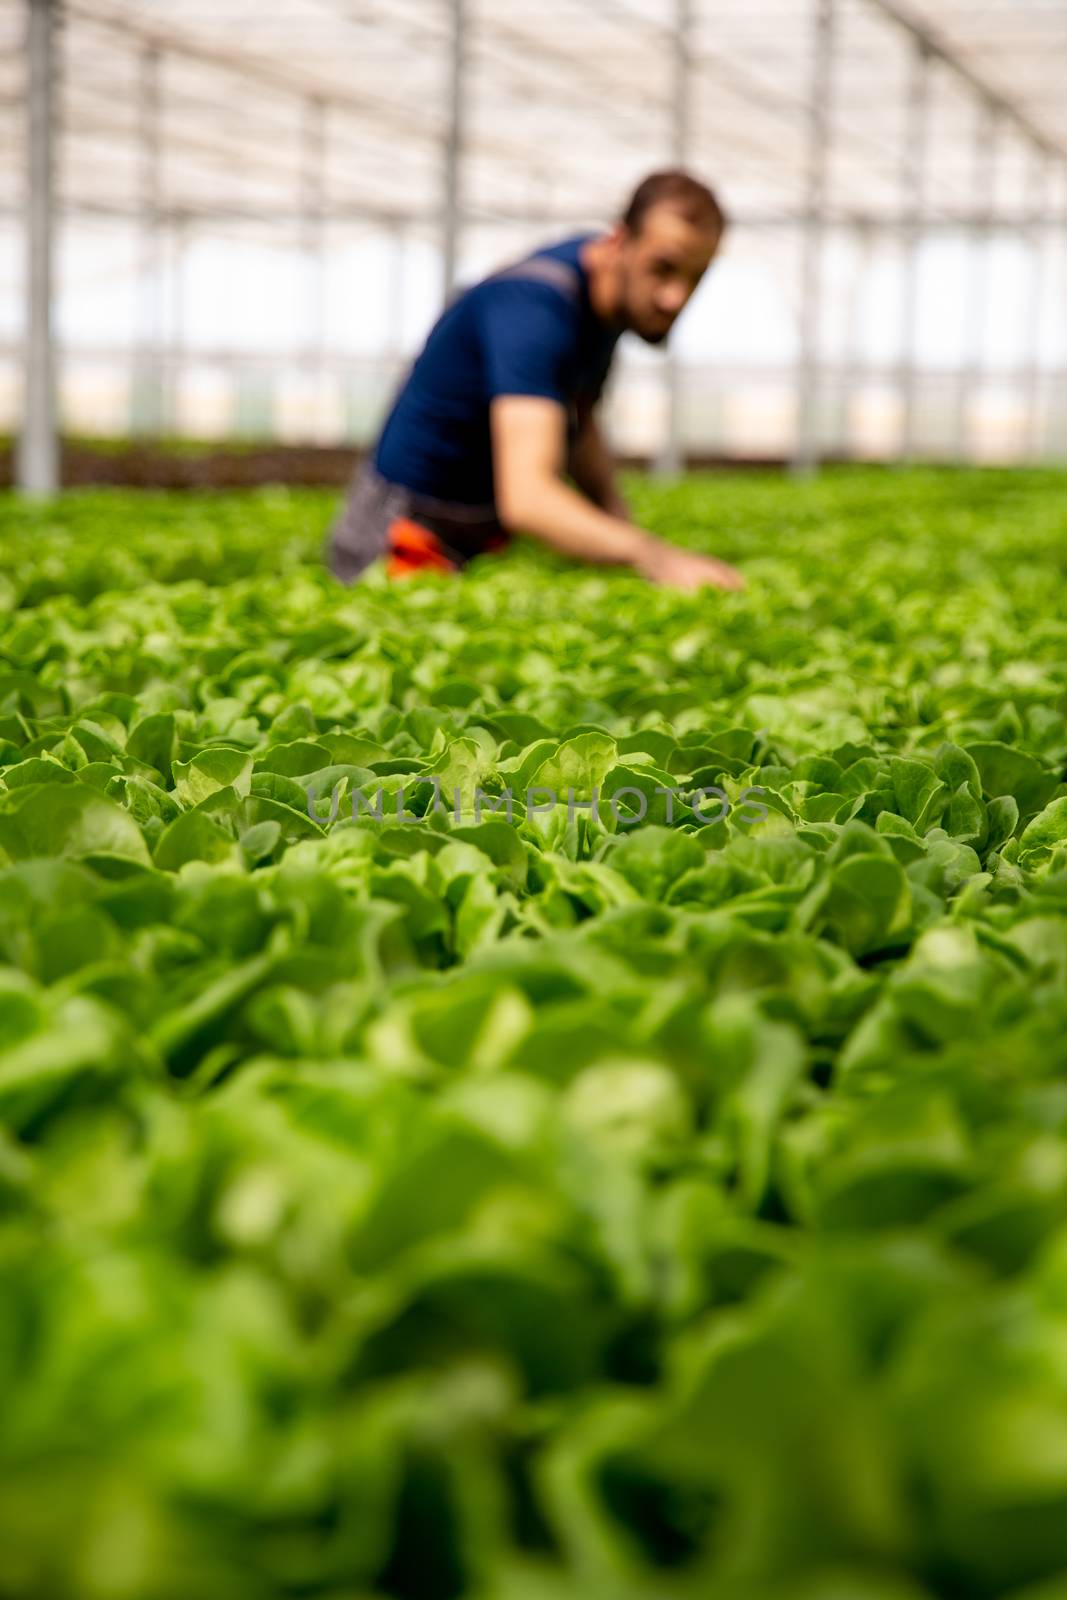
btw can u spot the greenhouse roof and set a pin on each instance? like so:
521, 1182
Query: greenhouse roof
233, 110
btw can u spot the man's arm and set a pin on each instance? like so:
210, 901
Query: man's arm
592, 468
529, 445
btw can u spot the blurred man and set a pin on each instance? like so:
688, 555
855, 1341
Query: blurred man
501, 403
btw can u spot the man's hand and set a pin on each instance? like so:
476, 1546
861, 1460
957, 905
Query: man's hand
685, 569
529, 437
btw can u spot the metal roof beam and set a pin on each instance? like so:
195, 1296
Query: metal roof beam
936, 46
359, 211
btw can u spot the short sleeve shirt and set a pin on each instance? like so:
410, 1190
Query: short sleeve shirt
529, 330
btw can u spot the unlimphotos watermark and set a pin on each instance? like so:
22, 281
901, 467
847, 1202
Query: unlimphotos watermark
628, 806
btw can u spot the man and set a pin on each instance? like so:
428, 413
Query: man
502, 401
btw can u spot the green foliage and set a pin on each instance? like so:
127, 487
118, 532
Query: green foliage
399, 1198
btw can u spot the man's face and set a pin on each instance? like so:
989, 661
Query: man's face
659, 268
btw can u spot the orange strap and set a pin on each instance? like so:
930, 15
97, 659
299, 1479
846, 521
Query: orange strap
411, 548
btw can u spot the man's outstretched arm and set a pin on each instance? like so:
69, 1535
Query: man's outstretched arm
591, 465
529, 447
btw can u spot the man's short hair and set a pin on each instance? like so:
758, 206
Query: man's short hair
693, 199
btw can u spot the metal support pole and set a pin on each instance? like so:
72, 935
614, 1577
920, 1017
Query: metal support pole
38, 457
147, 398
313, 232
176, 333
671, 461
394, 318
806, 455
313, 164
454, 144
1040, 191
978, 274
854, 360
916, 142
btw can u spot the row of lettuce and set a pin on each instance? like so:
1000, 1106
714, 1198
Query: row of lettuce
626, 1195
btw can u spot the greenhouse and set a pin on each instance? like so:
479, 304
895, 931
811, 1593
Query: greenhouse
533, 800
252, 211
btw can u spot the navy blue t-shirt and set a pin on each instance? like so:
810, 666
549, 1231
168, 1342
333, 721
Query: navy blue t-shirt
506, 335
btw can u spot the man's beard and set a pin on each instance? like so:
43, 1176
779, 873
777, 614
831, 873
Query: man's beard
632, 324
